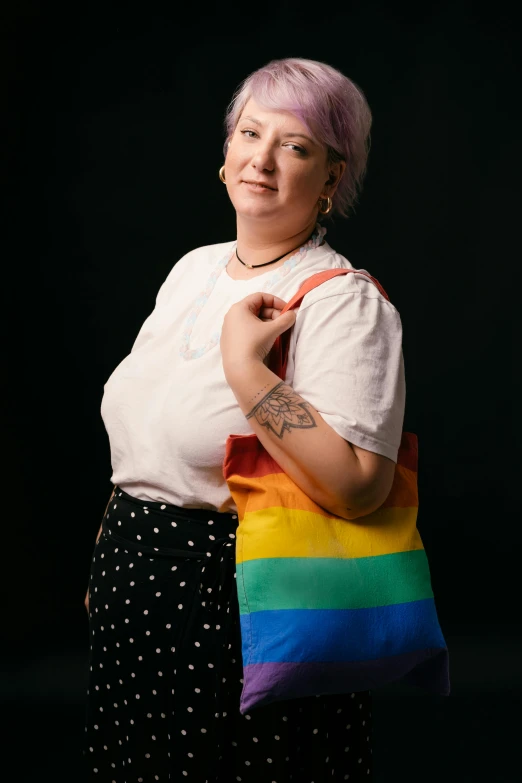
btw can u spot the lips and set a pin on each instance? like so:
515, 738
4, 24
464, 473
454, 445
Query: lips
258, 184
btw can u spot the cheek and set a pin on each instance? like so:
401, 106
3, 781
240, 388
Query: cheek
304, 184
236, 153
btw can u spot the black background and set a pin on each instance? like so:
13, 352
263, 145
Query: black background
114, 140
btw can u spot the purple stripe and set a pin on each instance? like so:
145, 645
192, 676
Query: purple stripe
269, 682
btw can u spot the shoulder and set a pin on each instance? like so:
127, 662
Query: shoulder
355, 286
196, 262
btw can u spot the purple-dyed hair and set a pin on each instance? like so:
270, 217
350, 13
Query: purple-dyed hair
331, 106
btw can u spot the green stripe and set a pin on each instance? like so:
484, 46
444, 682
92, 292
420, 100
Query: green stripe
333, 583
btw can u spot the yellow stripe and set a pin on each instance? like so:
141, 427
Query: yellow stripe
308, 534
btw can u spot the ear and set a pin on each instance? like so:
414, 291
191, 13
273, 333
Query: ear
336, 172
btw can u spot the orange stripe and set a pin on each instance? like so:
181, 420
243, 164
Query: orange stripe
277, 489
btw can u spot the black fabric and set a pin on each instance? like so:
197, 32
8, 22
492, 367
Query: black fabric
165, 672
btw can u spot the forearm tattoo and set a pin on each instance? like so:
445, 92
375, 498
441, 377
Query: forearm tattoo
282, 410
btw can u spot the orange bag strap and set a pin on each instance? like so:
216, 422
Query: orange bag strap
278, 356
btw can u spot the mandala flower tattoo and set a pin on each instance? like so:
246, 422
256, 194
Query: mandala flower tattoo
282, 410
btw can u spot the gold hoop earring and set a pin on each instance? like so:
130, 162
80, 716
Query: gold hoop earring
328, 206
222, 174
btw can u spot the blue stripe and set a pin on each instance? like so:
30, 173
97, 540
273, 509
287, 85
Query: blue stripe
340, 634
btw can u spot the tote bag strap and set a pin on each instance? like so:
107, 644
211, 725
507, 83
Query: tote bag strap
278, 356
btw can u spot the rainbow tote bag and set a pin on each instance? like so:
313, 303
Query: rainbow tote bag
329, 605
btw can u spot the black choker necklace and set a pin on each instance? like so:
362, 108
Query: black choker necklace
278, 258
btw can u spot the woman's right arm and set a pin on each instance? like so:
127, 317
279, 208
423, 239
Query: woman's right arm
86, 601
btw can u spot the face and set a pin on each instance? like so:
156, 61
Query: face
274, 170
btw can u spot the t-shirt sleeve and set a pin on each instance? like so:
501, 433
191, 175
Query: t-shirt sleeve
349, 363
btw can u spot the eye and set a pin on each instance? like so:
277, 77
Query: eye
297, 148
247, 131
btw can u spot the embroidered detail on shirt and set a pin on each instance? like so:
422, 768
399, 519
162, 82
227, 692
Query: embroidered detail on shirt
189, 353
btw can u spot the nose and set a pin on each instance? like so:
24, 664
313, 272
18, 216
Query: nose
263, 158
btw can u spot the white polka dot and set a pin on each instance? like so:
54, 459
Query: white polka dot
180, 606
156, 530
152, 576
139, 538
163, 506
203, 731
190, 543
158, 595
173, 524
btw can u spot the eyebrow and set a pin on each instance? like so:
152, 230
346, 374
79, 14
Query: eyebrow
285, 135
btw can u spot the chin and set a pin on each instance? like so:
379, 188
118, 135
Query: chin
250, 210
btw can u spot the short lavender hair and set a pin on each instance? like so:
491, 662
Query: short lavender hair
331, 106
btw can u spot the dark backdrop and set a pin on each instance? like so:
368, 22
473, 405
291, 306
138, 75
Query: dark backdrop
114, 140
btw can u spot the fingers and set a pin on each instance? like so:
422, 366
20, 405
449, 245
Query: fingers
261, 300
269, 313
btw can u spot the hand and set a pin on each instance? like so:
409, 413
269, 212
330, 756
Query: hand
250, 329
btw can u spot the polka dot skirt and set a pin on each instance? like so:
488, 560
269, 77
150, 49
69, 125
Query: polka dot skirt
165, 670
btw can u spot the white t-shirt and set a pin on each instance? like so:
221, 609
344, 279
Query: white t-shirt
168, 409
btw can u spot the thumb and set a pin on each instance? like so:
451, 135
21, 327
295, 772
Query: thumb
285, 321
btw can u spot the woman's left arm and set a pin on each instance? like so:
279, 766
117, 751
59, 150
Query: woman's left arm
342, 478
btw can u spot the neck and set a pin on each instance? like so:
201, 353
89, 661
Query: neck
257, 245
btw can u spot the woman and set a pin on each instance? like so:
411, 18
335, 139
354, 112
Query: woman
166, 669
